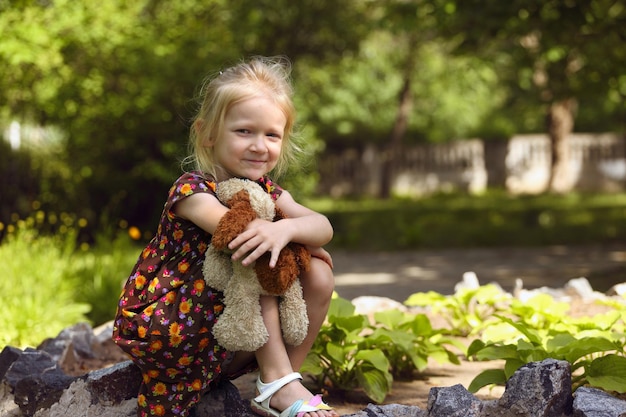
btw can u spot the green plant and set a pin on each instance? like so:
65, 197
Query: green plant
409, 341
594, 346
468, 311
101, 272
338, 358
352, 352
38, 289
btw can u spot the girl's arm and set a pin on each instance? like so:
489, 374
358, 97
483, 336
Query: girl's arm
203, 209
302, 225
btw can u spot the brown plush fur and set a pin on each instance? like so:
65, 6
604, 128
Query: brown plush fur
292, 261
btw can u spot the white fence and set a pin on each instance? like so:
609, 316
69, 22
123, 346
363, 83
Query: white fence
521, 165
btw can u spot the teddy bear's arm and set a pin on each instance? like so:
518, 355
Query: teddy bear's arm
234, 221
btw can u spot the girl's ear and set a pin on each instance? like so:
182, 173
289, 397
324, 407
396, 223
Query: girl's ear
206, 140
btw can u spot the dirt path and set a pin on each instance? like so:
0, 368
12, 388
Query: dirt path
397, 275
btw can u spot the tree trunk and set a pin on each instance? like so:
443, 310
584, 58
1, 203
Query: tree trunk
560, 124
397, 133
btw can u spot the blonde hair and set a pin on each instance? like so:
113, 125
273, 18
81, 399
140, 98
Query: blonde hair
260, 75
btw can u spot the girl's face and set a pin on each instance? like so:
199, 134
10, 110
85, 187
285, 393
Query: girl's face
251, 141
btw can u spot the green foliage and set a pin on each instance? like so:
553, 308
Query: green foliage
102, 271
468, 311
61, 282
38, 288
542, 61
493, 219
351, 352
539, 329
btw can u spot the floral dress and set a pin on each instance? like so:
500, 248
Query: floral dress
166, 311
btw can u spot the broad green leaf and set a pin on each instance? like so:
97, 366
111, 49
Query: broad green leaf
583, 347
491, 352
350, 324
604, 321
512, 365
375, 357
487, 377
375, 383
340, 307
390, 318
400, 340
312, 364
420, 325
559, 341
608, 373
337, 352
475, 347
531, 334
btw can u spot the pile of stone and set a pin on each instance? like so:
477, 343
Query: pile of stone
35, 382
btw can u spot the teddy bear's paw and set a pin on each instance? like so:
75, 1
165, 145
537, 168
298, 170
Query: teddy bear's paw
217, 269
294, 321
231, 335
277, 280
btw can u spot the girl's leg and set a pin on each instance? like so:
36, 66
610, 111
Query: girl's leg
317, 287
277, 360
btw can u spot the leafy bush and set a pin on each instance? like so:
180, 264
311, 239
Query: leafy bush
539, 329
53, 283
468, 311
38, 288
102, 271
350, 352
493, 219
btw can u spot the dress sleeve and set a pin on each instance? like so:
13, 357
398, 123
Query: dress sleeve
188, 184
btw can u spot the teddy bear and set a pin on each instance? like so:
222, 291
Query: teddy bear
240, 326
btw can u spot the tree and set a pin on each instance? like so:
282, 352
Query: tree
561, 54
118, 79
402, 86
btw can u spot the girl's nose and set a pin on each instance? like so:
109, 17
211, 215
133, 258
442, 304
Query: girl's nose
258, 144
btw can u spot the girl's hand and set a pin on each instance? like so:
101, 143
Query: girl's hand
321, 253
261, 236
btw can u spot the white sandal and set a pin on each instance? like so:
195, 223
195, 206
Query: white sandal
261, 403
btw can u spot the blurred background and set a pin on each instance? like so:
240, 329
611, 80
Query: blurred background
430, 124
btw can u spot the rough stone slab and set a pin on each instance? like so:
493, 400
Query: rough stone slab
114, 384
539, 389
592, 402
8, 355
36, 380
454, 401
224, 400
76, 401
390, 410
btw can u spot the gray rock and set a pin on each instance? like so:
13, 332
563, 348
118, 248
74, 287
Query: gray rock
36, 381
539, 389
390, 410
454, 401
224, 400
592, 402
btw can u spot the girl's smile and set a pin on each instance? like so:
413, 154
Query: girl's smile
251, 142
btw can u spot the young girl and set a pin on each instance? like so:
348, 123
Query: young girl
166, 312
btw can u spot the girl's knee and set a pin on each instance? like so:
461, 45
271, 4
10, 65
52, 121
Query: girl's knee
319, 278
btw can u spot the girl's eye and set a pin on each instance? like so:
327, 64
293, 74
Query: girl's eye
243, 131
